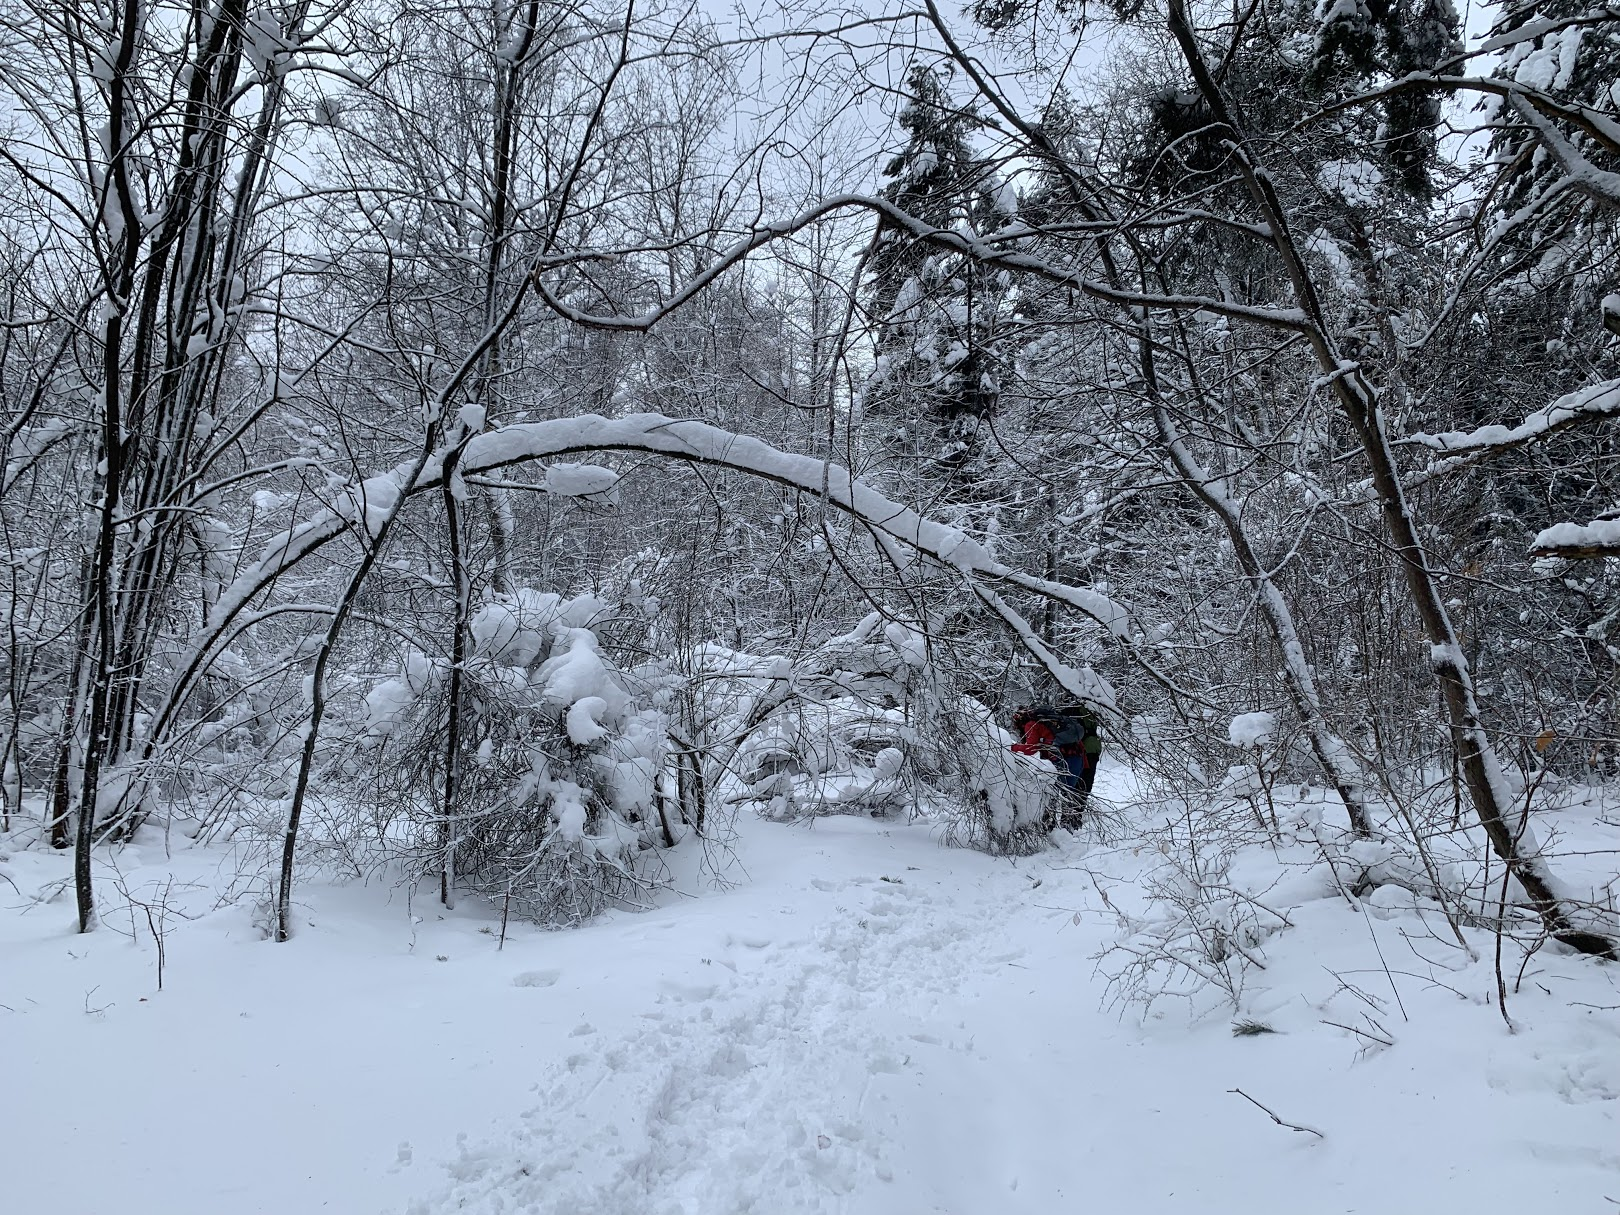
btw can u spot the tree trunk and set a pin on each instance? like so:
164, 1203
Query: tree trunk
1329, 749
1358, 401
455, 692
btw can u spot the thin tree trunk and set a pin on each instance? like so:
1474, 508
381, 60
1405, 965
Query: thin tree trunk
509, 74
1329, 749
124, 229
99, 725
456, 696
373, 547
61, 805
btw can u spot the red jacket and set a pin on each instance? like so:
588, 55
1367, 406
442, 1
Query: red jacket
1038, 740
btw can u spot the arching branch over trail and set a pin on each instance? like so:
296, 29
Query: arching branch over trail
364, 505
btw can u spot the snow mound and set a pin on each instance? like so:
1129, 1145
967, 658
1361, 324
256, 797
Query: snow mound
1250, 730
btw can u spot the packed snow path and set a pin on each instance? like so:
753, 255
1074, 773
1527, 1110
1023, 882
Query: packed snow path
866, 1023
781, 1082
924, 1036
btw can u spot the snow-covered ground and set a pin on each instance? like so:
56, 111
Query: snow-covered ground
863, 1022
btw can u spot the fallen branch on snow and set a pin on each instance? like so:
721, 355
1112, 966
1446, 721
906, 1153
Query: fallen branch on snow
1310, 1130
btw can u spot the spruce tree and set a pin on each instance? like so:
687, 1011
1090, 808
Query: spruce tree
940, 317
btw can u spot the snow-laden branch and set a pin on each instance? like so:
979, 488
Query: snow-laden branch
1599, 538
655, 434
364, 505
1522, 97
28, 446
1600, 185
1600, 14
1593, 403
1331, 752
701, 443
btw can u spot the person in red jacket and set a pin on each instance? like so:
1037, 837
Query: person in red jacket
1038, 736
1039, 732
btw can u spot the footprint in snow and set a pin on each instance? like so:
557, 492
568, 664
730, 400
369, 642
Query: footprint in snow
536, 978
686, 992
762, 1092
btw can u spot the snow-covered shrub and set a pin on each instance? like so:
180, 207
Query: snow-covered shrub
1199, 938
866, 723
829, 732
995, 799
557, 793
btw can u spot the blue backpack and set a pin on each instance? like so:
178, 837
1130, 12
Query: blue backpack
1068, 733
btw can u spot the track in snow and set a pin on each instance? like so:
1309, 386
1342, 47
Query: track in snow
774, 1088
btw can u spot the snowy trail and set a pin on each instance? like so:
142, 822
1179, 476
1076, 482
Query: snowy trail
815, 1039
936, 1046
772, 1088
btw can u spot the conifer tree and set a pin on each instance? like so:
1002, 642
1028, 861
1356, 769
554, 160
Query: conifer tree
940, 317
